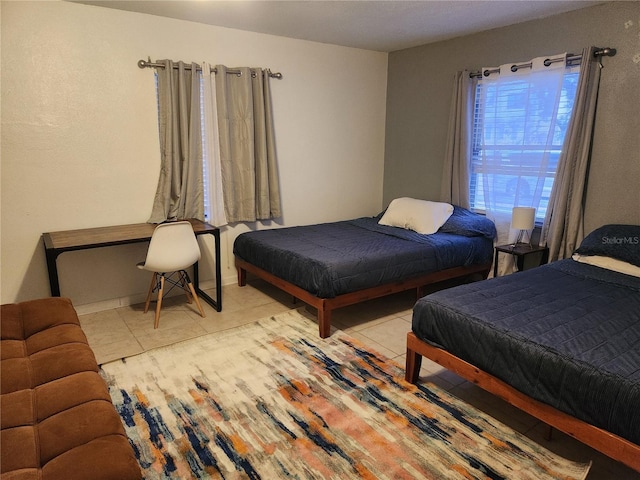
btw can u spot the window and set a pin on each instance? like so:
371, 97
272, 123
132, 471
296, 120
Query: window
188, 111
206, 161
519, 127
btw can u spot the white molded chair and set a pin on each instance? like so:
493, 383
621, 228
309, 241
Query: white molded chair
173, 248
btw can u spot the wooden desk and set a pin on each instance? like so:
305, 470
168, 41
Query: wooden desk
56, 243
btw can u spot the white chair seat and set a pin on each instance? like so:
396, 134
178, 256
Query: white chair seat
173, 249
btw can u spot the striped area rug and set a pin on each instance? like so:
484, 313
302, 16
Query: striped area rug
272, 400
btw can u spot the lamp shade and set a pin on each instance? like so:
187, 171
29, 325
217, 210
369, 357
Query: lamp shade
522, 218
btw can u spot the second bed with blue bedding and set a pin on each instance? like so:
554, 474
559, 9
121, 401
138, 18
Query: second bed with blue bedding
566, 334
321, 264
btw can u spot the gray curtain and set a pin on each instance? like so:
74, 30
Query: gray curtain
247, 145
563, 226
179, 193
455, 175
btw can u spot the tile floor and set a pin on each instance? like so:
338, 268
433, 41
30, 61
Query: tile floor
382, 324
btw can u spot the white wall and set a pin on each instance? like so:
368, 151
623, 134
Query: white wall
80, 140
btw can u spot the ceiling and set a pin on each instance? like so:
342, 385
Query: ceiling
377, 25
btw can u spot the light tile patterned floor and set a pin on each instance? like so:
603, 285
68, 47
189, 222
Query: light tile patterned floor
382, 324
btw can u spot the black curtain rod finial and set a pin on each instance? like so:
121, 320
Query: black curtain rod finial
605, 52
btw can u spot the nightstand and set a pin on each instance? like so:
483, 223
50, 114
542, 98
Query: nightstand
521, 250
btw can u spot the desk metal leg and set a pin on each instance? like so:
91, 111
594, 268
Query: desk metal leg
52, 268
217, 303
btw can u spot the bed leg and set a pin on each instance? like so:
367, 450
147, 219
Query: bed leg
242, 277
413, 362
548, 434
412, 368
324, 322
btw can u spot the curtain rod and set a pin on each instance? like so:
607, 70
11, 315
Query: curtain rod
600, 52
149, 64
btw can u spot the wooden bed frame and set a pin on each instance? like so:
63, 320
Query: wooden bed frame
608, 443
326, 305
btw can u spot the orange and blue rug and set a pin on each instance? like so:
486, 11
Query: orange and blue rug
272, 400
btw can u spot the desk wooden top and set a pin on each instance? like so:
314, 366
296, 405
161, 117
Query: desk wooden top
113, 235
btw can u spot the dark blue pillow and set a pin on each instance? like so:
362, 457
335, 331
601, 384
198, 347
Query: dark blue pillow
621, 242
469, 224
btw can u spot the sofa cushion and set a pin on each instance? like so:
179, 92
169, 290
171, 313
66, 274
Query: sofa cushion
15, 374
21, 320
12, 349
18, 409
55, 336
67, 392
19, 449
100, 459
57, 417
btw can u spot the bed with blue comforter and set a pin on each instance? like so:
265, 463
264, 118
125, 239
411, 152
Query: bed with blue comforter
331, 265
565, 335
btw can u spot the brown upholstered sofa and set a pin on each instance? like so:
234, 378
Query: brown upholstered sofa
57, 418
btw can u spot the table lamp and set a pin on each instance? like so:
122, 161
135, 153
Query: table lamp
522, 218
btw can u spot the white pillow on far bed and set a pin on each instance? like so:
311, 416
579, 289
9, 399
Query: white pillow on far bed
421, 216
608, 263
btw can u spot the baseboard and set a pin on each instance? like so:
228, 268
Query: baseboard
140, 298
110, 304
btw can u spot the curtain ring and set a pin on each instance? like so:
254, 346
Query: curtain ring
546, 62
514, 68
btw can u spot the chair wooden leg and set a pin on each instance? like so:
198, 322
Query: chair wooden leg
153, 282
159, 303
197, 300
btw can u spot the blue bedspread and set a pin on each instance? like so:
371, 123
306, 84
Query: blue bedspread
331, 259
566, 334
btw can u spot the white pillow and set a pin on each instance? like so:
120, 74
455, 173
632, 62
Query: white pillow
608, 263
421, 216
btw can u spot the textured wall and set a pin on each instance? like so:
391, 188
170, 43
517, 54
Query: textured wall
80, 136
419, 95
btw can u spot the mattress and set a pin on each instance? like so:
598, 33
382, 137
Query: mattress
332, 259
566, 334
